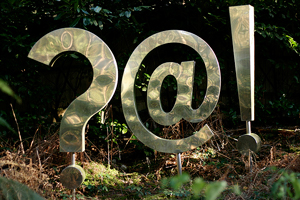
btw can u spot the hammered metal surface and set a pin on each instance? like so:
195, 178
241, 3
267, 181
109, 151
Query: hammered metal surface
101, 90
72, 176
182, 108
242, 30
247, 142
184, 75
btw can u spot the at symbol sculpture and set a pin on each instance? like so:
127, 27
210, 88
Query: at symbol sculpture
184, 74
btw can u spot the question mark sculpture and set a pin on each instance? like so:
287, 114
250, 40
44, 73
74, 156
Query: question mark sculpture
184, 74
100, 92
242, 28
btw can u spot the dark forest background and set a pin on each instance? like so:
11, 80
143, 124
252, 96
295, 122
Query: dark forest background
29, 142
122, 25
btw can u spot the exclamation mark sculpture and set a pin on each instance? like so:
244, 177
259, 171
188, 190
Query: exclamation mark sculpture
242, 30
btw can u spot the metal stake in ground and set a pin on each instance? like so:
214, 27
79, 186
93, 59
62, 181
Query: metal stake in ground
179, 166
73, 163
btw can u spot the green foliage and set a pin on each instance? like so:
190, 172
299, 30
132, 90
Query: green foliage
139, 191
5, 124
214, 190
13, 190
277, 108
287, 186
293, 44
284, 104
99, 178
110, 127
78, 196
104, 14
7, 90
142, 80
277, 33
198, 187
176, 182
232, 114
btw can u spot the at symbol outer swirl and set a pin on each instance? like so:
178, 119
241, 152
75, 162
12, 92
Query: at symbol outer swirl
206, 108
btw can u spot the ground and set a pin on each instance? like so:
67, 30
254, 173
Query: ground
137, 172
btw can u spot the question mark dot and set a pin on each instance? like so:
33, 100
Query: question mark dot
72, 176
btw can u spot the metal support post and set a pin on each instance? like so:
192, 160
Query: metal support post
248, 131
179, 167
248, 126
73, 163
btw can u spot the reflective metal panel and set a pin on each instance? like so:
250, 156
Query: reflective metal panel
182, 108
184, 75
72, 176
103, 86
242, 29
248, 142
